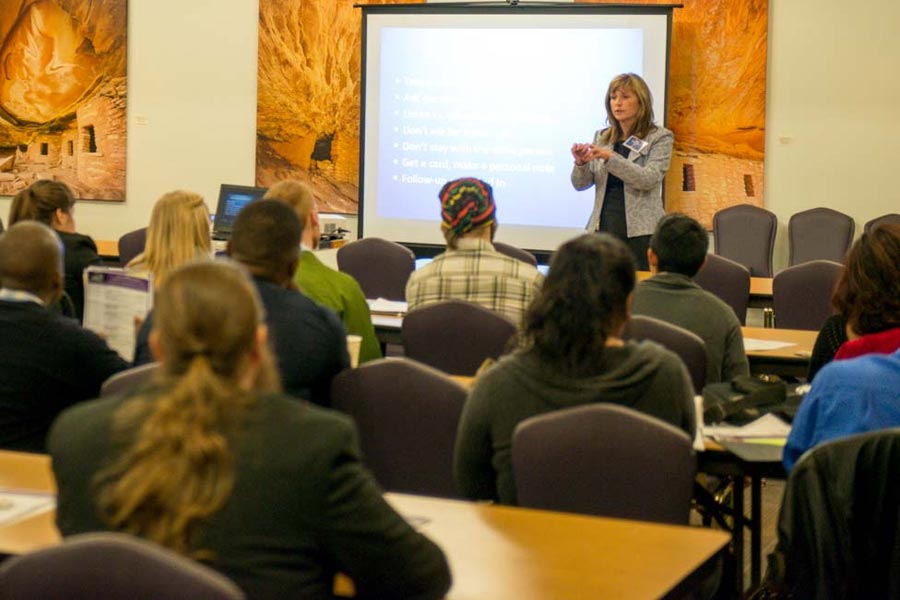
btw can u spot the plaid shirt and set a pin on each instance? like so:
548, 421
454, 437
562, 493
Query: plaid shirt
475, 272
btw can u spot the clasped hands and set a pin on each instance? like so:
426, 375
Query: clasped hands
585, 153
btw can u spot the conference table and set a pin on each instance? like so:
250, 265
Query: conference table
790, 359
494, 552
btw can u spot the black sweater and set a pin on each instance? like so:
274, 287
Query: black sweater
47, 363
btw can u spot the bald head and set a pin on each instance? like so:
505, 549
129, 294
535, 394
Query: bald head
31, 260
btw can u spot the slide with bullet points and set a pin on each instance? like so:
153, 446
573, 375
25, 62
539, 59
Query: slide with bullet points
501, 97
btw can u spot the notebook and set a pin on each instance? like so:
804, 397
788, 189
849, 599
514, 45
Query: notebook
232, 198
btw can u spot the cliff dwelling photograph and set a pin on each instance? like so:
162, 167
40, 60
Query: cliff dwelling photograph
63, 95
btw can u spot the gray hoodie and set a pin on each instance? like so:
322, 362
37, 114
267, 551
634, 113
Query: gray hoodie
640, 375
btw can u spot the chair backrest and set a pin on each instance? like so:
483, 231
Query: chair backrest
727, 280
2, 229
131, 244
455, 336
820, 234
381, 267
524, 255
801, 295
746, 235
839, 526
111, 566
890, 218
687, 345
607, 460
407, 414
127, 380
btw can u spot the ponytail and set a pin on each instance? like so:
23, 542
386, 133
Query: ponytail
179, 469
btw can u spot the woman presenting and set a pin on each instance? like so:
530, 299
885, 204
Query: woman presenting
626, 165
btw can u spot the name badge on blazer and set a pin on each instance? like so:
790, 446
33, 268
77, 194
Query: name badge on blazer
636, 144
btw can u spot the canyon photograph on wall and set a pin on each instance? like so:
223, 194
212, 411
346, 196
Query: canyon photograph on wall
309, 92
63, 95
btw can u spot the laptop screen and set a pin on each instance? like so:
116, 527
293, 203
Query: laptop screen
232, 198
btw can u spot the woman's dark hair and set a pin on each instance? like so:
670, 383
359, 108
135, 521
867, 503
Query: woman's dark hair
584, 300
868, 292
40, 201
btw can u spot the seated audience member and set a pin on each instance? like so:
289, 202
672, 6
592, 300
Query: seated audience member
338, 291
677, 252
309, 341
47, 362
867, 301
52, 203
571, 354
847, 397
471, 269
213, 462
178, 233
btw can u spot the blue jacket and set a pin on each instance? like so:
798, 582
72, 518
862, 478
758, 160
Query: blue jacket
847, 396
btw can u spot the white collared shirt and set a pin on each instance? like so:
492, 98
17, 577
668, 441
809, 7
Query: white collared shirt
20, 296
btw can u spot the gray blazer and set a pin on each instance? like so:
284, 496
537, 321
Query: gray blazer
642, 172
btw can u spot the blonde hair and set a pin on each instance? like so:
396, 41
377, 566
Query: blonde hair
178, 468
297, 195
643, 124
178, 233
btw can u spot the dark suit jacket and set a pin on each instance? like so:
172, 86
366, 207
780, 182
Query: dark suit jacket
309, 342
47, 363
81, 252
302, 506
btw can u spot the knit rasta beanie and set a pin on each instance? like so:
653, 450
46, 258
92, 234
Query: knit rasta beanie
466, 204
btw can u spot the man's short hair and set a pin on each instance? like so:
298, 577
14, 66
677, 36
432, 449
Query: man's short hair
31, 257
296, 194
680, 244
266, 238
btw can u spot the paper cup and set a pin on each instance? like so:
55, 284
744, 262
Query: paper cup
353, 344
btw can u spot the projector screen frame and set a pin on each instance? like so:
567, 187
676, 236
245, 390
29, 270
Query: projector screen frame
503, 8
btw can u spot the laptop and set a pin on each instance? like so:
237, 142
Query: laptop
232, 198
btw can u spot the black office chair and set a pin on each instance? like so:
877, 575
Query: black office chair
111, 566
890, 218
129, 379
407, 414
801, 295
455, 336
727, 280
381, 267
820, 234
607, 460
524, 255
839, 527
746, 235
687, 345
131, 244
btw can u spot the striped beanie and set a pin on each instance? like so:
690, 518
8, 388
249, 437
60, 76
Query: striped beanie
466, 204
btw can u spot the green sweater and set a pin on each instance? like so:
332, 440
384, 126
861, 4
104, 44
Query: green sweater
341, 293
676, 299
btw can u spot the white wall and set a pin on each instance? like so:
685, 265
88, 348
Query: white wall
833, 129
833, 109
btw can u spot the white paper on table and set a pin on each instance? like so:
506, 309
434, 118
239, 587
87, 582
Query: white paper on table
16, 505
112, 301
387, 307
767, 426
754, 345
700, 430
